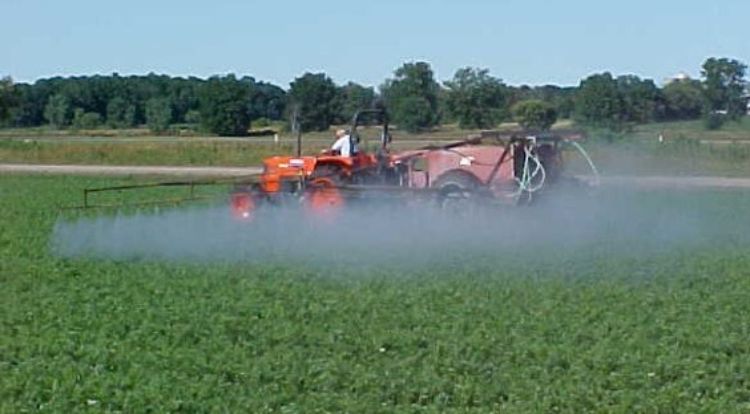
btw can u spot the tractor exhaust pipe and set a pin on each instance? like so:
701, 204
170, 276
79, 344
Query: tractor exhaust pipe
297, 129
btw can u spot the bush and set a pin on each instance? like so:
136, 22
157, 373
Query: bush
535, 114
86, 120
714, 121
262, 122
193, 117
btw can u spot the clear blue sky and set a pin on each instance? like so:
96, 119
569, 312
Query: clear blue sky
532, 41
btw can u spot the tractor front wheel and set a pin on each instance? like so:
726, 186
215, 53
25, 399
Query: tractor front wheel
244, 205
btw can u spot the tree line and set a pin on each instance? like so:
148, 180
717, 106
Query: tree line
416, 101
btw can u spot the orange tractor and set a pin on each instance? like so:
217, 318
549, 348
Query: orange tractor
488, 169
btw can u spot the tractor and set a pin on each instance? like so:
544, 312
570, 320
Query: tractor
491, 168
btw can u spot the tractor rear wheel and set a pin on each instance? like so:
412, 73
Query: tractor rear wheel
322, 196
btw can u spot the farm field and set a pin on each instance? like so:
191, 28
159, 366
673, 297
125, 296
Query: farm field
203, 153
675, 158
136, 147
688, 148
694, 130
643, 311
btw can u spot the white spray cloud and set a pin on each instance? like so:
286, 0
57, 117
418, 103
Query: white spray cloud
636, 223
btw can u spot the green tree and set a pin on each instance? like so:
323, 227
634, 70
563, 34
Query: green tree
8, 98
684, 99
535, 114
412, 97
130, 95
562, 98
158, 114
58, 111
599, 101
266, 101
476, 99
642, 101
120, 113
353, 97
183, 93
314, 96
724, 87
565, 105
193, 116
85, 120
413, 111
224, 106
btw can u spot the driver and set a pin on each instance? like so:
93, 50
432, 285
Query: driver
343, 144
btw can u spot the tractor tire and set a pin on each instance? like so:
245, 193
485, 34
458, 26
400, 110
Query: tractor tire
323, 199
244, 203
457, 194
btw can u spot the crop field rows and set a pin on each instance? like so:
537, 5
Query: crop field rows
639, 304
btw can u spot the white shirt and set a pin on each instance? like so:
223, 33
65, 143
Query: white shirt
343, 146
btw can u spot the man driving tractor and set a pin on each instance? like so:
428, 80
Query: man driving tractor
343, 145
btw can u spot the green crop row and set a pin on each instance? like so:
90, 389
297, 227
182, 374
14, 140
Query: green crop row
612, 327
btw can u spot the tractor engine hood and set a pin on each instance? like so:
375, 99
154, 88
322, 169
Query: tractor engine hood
285, 166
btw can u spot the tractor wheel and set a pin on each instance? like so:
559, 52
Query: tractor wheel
244, 205
457, 193
323, 199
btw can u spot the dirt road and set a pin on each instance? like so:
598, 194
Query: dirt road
684, 182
